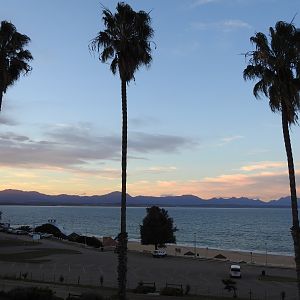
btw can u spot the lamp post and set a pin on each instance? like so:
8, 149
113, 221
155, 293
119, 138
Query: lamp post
266, 253
195, 244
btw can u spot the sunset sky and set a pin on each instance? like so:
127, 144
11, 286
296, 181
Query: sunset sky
194, 125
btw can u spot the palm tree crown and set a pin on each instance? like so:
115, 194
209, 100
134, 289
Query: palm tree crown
125, 40
13, 58
277, 66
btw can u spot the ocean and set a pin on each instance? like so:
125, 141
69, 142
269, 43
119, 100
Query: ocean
246, 229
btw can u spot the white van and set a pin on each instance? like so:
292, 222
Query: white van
159, 253
235, 271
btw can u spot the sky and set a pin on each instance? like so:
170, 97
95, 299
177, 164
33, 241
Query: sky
194, 126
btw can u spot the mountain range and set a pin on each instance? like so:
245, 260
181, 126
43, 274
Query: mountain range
17, 197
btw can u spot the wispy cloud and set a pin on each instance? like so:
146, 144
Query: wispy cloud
265, 165
229, 139
264, 180
197, 3
187, 49
158, 170
145, 142
75, 147
143, 121
262, 185
225, 25
4, 120
256, 151
202, 2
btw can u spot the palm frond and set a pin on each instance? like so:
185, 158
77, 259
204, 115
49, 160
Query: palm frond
14, 59
259, 88
276, 66
125, 40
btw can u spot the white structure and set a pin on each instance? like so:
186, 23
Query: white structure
52, 221
235, 271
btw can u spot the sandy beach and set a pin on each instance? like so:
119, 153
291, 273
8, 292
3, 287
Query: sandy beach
261, 259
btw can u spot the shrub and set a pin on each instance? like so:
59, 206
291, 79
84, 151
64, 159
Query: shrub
31, 293
171, 291
144, 289
25, 228
91, 296
51, 229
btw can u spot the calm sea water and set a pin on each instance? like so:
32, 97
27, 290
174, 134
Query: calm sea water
248, 229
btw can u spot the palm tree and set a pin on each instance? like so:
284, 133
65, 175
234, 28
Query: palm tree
276, 65
126, 43
13, 58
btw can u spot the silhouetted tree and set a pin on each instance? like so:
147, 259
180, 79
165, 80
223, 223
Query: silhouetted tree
13, 58
126, 42
276, 65
50, 229
157, 228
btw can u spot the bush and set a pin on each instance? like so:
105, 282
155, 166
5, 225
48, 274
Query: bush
91, 296
25, 228
51, 229
171, 291
31, 293
144, 289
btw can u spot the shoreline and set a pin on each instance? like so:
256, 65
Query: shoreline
191, 246
234, 256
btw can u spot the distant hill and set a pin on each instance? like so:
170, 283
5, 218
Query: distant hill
284, 201
17, 197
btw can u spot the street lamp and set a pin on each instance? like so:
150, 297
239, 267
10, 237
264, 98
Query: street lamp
266, 253
195, 243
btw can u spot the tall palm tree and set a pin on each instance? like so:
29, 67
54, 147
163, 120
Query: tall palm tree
276, 65
126, 43
13, 58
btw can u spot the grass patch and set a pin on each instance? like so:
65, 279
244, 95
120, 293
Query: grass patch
33, 256
277, 278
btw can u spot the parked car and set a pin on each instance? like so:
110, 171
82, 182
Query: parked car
235, 271
159, 253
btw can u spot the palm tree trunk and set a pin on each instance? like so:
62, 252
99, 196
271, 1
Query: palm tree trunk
295, 230
122, 256
1, 97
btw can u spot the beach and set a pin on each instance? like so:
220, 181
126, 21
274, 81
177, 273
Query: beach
255, 258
